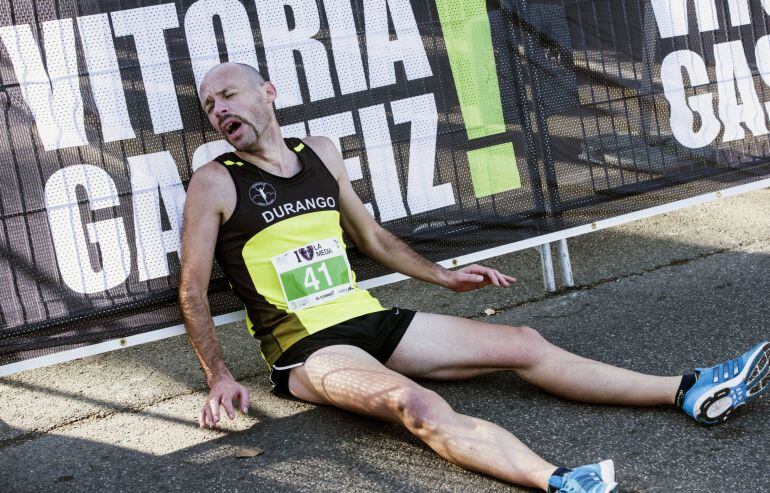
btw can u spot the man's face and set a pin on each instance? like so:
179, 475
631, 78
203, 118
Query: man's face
237, 106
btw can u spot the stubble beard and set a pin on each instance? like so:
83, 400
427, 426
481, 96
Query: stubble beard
251, 146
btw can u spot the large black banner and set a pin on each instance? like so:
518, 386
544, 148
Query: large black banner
465, 125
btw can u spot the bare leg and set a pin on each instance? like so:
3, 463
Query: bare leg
351, 379
444, 347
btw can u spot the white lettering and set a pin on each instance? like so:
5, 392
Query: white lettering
104, 75
286, 210
69, 237
421, 194
382, 163
151, 173
732, 68
671, 16
297, 130
383, 52
336, 127
345, 49
682, 116
55, 102
740, 14
762, 56
280, 44
146, 25
202, 39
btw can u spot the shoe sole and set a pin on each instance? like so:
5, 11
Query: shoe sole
717, 405
607, 472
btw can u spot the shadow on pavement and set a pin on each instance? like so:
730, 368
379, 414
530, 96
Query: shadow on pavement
696, 309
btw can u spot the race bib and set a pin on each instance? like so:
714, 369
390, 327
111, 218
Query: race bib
314, 274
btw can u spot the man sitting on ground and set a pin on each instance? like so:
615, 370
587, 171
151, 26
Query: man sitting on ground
273, 212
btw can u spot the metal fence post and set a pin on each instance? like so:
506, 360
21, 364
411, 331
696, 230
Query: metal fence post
546, 263
566, 265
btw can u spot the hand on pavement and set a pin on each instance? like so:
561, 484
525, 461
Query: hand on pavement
475, 276
223, 391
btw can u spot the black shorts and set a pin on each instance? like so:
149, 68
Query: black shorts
376, 333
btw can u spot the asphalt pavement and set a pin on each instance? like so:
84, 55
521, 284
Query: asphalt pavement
662, 295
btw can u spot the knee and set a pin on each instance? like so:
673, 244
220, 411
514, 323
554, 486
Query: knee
529, 335
420, 410
533, 345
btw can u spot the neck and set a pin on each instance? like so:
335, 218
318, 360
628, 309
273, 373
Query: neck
271, 154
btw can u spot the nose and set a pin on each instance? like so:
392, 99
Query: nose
220, 109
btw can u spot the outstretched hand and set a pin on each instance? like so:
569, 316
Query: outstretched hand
223, 391
475, 276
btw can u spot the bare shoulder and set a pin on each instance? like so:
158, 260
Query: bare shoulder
211, 173
327, 151
211, 185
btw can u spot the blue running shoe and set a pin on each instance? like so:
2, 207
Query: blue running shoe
593, 478
721, 389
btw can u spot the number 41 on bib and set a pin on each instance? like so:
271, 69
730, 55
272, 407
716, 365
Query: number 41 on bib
314, 274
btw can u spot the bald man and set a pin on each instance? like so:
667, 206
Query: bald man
273, 213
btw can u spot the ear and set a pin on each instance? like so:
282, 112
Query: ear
270, 91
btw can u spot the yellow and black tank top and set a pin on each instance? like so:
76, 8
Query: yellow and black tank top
283, 253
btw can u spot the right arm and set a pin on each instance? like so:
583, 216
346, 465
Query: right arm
210, 196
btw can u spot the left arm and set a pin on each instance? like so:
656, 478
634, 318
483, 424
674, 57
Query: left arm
379, 244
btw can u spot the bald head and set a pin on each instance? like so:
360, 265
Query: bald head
238, 102
251, 72
234, 70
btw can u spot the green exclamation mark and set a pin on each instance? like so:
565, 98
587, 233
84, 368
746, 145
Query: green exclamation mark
468, 40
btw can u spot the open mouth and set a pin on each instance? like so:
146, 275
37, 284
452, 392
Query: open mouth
232, 127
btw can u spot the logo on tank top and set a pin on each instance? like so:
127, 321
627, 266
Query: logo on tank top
262, 194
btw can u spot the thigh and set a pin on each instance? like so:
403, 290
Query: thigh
350, 378
446, 347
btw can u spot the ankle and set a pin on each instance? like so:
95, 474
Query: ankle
687, 382
555, 479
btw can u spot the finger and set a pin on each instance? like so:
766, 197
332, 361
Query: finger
214, 407
488, 275
503, 281
244, 398
493, 277
467, 277
202, 416
506, 280
205, 416
228, 403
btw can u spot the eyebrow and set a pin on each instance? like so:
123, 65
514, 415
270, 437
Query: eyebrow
208, 98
